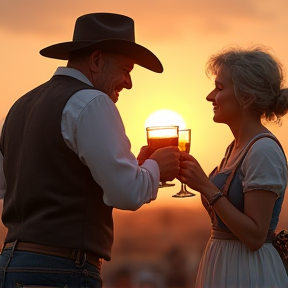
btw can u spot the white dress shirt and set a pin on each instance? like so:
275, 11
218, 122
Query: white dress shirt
92, 127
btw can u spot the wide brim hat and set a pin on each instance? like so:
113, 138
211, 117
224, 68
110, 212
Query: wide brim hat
109, 32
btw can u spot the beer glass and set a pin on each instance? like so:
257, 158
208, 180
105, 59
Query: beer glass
184, 142
159, 137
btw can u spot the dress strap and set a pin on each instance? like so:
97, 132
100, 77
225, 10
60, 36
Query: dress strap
246, 149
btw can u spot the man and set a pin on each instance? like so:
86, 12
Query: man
67, 160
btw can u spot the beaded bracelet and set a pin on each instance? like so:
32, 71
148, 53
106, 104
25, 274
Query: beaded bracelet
217, 195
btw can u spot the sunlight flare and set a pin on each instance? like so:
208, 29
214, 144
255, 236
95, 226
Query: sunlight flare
165, 117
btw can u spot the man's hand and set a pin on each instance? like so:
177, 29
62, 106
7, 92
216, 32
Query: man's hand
168, 162
144, 154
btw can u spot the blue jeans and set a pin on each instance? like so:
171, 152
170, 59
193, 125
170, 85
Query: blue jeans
26, 269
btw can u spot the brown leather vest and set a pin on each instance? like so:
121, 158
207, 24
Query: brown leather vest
51, 197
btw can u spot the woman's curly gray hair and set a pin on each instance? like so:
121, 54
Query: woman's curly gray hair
254, 72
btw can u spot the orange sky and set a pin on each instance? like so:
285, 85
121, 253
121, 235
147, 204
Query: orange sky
181, 33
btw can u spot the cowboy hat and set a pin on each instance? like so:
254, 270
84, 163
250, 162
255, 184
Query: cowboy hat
105, 31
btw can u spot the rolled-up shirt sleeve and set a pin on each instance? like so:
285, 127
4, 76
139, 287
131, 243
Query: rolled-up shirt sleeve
92, 128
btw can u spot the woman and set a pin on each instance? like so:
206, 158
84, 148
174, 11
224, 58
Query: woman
248, 89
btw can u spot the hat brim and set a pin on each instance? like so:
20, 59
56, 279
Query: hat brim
141, 55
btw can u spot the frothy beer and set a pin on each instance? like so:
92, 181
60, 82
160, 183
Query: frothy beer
162, 136
156, 143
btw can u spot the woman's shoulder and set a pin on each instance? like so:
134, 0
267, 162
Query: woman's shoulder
262, 145
265, 152
267, 144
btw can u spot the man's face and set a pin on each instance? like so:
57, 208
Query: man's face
114, 74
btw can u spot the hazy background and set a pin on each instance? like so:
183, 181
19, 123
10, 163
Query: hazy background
183, 34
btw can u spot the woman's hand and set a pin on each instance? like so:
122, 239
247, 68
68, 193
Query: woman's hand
191, 172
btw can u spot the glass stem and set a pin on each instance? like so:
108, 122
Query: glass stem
182, 186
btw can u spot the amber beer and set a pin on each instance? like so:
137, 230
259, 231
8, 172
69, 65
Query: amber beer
184, 140
162, 136
156, 143
184, 146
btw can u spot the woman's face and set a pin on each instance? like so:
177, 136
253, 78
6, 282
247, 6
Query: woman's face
225, 105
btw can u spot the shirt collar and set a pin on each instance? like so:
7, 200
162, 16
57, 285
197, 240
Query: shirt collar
72, 73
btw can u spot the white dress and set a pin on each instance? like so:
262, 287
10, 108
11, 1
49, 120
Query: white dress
230, 264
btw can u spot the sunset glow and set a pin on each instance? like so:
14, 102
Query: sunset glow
165, 117
167, 235
182, 34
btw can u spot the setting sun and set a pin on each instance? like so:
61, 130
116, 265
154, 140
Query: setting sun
165, 117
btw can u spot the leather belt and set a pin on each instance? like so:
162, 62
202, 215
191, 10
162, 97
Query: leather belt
218, 233
75, 254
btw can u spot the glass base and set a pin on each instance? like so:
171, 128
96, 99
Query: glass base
165, 184
183, 194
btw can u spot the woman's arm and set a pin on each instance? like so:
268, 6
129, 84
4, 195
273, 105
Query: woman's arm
252, 226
